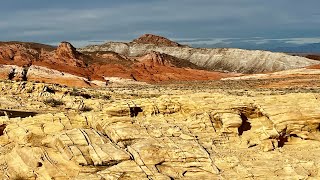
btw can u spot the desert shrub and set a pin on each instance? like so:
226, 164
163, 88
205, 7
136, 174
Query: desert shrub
29, 90
19, 178
106, 97
85, 108
76, 92
101, 96
53, 102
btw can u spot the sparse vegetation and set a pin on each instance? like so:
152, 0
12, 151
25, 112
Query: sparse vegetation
29, 90
85, 108
53, 102
76, 92
101, 96
19, 178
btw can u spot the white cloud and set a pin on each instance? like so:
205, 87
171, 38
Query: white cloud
303, 40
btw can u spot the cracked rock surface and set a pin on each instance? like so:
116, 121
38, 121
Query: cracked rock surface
55, 132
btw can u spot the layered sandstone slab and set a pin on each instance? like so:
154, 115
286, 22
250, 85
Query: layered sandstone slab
204, 135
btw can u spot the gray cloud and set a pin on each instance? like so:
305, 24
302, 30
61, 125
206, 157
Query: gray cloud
81, 21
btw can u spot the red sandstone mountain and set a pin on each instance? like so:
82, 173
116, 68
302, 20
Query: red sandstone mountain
152, 67
157, 67
157, 40
64, 58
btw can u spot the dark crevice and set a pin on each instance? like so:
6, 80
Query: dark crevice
134, 111
12, 74
252, 145
282, 140
294, 135
15, 114
111, 163
2, 128
132, 76
245, 126
184, 173
157, 166
49, 90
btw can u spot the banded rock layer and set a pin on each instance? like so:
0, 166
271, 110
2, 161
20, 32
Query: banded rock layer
232, 60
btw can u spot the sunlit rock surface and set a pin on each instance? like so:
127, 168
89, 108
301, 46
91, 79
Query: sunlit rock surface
156, 132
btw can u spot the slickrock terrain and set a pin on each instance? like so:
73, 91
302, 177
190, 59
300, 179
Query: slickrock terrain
232, 60
158, 132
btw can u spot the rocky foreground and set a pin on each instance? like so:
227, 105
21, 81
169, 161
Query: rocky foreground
159, 132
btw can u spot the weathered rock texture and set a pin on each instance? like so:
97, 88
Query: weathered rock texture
188, 135
42, 74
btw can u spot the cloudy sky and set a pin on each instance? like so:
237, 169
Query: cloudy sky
193, 21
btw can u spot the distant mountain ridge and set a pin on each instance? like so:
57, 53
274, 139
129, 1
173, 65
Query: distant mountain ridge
217, 59
150, 58
255, 44
66, 65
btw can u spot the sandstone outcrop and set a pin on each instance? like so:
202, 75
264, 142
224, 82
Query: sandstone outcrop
157, 67
199, 135
69, 55
42, 74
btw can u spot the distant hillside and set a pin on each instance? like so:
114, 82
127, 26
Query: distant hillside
217, 59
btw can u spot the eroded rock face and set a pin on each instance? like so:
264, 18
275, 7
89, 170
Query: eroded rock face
68, 54
155, 59
208, 135
232, 60
66, 50
14, 53
97, 66
157, 67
